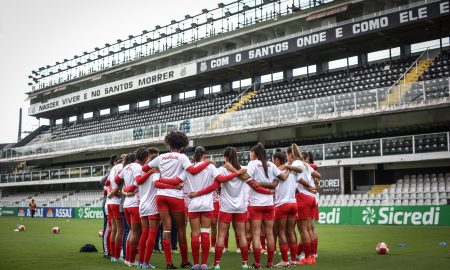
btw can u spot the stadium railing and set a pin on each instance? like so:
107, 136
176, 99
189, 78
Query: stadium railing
412, 144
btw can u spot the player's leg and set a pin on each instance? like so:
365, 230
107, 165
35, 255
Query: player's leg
179, 219
143, 240
205, 220
194, 221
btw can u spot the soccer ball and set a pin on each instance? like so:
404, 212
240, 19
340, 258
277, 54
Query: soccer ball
21, 227
100, 233
56, 229
382, 248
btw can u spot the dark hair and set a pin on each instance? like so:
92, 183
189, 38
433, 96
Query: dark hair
198, 153
311, 157
230, 153
112, 159
130, 158
141, 153
176, 140
281, 156
261, 154
153, 151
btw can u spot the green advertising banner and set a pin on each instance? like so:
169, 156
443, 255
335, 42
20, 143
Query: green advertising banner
386, 215
8, 211
88, 212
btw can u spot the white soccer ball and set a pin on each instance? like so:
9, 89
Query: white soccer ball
21, 227
382, 248
56, 229
100, 233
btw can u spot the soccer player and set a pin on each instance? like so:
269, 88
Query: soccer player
233, 206
261, 205
114, 212
170, 203
33, 207
286, 209
305, 203
309, 158
131, 207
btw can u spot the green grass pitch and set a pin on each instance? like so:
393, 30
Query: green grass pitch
340, 247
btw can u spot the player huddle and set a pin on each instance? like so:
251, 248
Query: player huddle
264, 201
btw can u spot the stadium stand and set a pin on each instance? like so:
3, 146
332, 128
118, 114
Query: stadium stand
341, 84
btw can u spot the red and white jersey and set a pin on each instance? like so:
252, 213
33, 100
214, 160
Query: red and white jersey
170, 165
198, 182
256, 171
128, 174
234, 194
306, 175
285, 190
112, 175
147, 193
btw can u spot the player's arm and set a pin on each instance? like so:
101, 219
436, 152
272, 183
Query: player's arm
256, 187
206, 190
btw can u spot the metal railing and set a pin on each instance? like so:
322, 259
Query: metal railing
423, 93
400, 145
403, 76
55, 174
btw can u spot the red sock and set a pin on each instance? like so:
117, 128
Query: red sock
307, 249
195, 247
244, 254
263, 242
108, 242
284, 252
112, 246
217, 255
226, 241
133, 251
118, 247
249, 242
316, 244
205, 247
152, 232
270, 253
143, 244
293, 248
257, 255
184, 252
299, 248
127, 250
213, 240
167, 247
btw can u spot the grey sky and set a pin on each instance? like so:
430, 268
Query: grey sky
34, 33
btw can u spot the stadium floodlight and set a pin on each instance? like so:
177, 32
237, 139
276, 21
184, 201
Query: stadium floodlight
221, 5
130, 36
85, 53
204, 10
119, 41
157, 26
144, 32
107, 45
173, 22
97, 49
187, 17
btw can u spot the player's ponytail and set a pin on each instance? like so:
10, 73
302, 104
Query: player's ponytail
261, 154
230, 153
198, 153
295, 152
